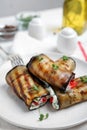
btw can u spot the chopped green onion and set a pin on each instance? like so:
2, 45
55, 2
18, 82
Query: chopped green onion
84, 79
65, 58
55, 67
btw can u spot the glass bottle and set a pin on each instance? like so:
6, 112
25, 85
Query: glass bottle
86, 10
74, 15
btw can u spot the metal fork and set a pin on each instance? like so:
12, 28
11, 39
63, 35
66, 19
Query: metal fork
14, 58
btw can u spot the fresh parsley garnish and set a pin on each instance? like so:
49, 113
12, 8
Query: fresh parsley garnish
40, 58
35, 87
83, 79
55, 67
43, 116
65, 58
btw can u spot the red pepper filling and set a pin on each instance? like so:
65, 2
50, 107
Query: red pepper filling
44, 99
73, 84
36, 103
51, 99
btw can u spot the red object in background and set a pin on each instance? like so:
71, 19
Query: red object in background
82, 50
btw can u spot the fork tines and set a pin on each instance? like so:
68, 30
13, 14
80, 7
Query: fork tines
16, 60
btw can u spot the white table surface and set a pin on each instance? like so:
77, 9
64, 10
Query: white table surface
28, 45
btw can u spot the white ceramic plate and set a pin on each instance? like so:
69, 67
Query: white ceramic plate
13, 110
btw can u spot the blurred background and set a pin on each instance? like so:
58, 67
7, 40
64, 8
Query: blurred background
12, 7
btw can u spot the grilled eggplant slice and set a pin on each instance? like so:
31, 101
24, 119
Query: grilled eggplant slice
44, 68
66, 63
26, 87
77, 94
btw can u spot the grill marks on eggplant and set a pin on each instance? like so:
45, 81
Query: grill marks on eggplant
77, 94
60, 79
57, 73
66, 64
23, 84
47, 70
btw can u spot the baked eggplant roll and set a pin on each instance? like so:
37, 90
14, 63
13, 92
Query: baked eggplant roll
66, 63
77, 94
26, 87
44, 68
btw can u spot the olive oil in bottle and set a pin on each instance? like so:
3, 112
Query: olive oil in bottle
86, 10
74, 15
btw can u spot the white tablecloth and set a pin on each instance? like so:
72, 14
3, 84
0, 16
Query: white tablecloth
25, 45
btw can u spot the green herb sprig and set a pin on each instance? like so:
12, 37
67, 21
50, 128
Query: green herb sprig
35, 87
55, 67
65, 58
83, 79
40, 58
43, 116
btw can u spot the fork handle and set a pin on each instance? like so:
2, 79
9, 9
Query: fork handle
3, 53
1, 48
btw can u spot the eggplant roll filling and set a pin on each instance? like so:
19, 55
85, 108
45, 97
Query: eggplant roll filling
77, 94
44, 68
26, 87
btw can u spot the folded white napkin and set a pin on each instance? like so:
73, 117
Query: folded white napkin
25, 45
